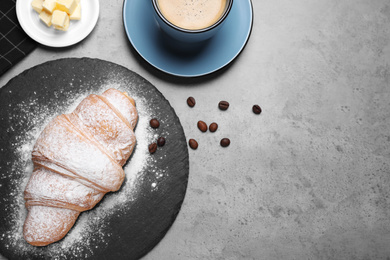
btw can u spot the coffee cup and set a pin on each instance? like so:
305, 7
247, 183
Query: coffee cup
191, 21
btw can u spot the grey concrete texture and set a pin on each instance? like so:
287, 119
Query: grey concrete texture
309, 178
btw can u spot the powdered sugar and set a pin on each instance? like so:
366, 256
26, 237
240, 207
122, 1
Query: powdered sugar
90, 225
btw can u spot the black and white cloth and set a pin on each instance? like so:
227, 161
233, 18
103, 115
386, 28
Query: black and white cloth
14, 42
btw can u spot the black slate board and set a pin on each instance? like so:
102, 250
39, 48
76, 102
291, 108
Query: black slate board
129, 228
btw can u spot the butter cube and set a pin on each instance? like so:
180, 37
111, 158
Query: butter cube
76, 15
49, 5
58, 18
37, 5
65, 26
66, 5
46, 18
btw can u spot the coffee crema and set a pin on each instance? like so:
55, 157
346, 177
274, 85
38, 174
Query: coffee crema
192, 14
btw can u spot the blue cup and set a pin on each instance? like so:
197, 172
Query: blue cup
190, 35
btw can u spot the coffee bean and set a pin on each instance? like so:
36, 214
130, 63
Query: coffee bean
161, 141
152, 148
202, 126
191, 101
154, 123
225, 142
256, 109
193, 144
223, 105
213, 127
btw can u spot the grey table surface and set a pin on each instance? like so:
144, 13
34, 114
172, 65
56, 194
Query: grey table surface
309, 177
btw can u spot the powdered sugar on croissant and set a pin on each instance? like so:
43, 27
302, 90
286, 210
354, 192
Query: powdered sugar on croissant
78, 158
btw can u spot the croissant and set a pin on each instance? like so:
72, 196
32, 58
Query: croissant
77, 159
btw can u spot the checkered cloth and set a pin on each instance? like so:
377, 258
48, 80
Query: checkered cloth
14, 42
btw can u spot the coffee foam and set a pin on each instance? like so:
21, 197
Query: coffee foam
192, 14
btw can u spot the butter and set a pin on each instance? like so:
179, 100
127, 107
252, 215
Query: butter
37, 5
58, 18
57, 12
76, 15
65, 25
49, 5
45, 17
67, 6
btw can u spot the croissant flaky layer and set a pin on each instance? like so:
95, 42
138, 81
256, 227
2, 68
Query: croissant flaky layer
77, 159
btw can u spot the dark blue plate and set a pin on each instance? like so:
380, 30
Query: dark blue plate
150, 43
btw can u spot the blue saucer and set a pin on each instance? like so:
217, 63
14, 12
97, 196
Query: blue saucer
152, 44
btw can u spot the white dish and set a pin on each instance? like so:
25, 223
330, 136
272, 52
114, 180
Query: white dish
38, 31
